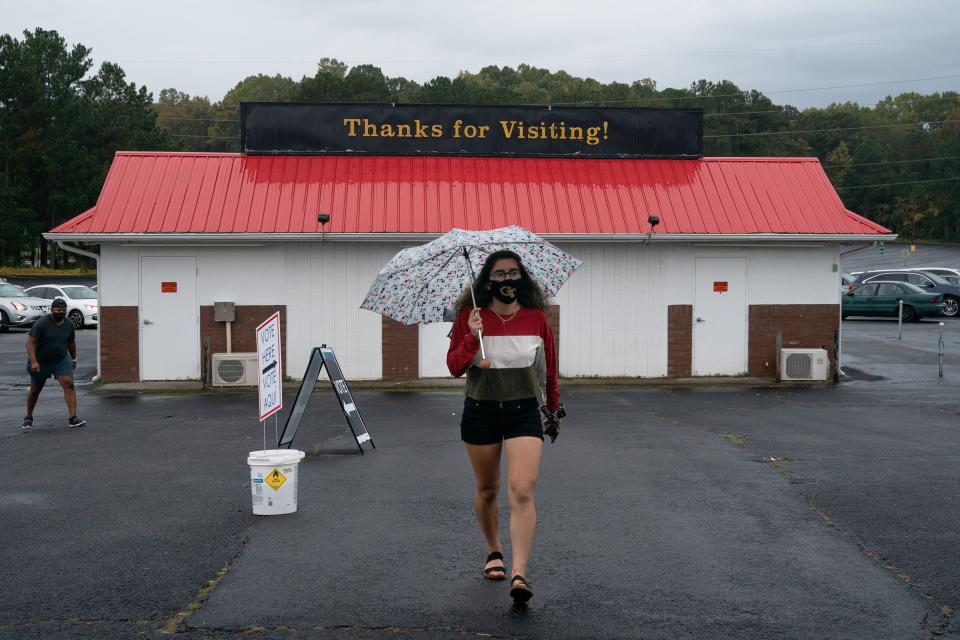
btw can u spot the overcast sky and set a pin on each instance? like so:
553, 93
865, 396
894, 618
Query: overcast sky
785, 49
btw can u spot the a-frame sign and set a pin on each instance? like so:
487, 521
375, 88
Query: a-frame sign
323, 356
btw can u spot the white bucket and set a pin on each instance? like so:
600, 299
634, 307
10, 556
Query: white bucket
273, 480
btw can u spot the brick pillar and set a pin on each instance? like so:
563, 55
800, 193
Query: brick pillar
680, 340
120, 346
401, 350
802, 325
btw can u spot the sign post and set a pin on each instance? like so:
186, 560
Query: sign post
321, 357
269, 369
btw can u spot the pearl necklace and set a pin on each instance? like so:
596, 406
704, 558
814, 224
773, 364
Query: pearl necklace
503, 320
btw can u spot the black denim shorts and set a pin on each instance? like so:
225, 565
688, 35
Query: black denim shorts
492, 421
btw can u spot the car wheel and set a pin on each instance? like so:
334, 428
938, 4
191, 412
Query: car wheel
4, 322
950, 306
77, 319
909, 315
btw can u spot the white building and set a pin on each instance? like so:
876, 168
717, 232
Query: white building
746, 248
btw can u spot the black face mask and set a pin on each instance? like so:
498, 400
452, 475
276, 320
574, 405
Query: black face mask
506, 291
59, 316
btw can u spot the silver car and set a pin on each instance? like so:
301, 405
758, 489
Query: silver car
18, 309
82, 309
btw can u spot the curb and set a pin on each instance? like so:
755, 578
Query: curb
193, 387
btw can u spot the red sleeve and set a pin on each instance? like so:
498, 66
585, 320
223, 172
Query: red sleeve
463, 346
550, 353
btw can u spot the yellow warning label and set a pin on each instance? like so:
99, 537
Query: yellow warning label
275, 479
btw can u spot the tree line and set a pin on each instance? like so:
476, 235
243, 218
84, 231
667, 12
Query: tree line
896, 162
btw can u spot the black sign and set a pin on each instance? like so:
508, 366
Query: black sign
377, 129
320, 357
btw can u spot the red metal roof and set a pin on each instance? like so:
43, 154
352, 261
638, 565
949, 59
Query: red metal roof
232, 193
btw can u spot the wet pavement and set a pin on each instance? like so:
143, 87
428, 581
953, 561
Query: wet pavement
812, 511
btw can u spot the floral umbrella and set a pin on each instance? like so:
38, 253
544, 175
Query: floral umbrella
420, 284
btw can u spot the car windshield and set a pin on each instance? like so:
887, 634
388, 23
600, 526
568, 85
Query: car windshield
10, 291
935, 277
79, 293
952, 279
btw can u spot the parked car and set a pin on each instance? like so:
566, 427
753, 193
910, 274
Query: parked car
927, 281
946, 273
943, 272
883, 298
18, 309
81, 301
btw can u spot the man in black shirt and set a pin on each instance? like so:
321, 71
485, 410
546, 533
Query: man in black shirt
52, 348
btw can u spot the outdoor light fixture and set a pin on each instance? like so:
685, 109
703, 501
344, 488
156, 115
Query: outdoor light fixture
654, 221
323, 219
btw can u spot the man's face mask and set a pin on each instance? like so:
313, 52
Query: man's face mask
59, 315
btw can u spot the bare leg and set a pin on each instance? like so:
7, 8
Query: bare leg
32, 396
69, 394
523, 469
485, 459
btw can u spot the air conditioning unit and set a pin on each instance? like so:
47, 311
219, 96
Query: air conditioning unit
804, 364
234, 369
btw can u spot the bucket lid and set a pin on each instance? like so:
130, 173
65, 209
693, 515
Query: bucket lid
275, 457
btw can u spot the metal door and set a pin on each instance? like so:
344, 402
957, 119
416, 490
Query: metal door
169, 319
720, 317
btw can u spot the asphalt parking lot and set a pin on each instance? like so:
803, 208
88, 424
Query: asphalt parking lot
811, 511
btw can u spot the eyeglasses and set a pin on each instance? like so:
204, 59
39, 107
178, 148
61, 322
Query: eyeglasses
500, 276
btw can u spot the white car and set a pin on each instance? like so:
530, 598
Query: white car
17, 309
82, 309
950, 275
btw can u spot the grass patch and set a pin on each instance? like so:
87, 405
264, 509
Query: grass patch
172, 625
734, 438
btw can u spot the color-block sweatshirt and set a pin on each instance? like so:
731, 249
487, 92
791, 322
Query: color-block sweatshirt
523, 362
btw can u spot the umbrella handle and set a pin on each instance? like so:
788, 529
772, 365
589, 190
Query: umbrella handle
483, 354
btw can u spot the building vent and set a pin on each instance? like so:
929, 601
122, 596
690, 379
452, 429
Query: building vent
804, 364
235, 369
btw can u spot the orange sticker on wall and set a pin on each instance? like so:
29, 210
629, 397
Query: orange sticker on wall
168, 287
720, 286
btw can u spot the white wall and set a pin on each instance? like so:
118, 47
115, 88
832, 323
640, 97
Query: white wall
322, 286
610, 311
613, 313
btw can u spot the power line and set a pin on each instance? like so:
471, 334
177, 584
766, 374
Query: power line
867, 164
781, 110
723, 135
894, 184
799, 131
188, 135
741, 94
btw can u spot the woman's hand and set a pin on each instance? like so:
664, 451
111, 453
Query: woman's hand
475, 323
546, 422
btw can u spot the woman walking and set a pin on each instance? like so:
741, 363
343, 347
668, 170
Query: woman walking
501, 410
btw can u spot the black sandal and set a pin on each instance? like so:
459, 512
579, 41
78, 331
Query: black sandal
520, 589
489, 572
